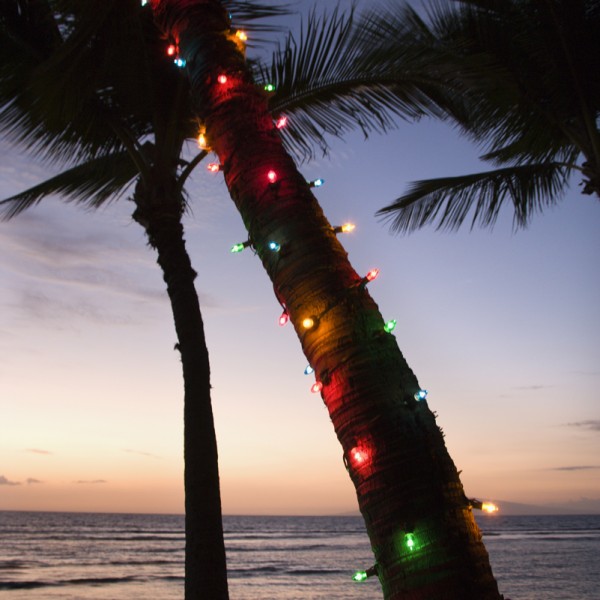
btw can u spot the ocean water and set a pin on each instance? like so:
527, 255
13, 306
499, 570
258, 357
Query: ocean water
76, 556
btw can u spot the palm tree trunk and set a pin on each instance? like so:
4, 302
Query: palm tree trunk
205, 566
422, 531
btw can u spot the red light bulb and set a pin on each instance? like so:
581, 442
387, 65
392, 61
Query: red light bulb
316, 387
171, 49
281, 122
284, 318
272, 176
359, 456
213, 167
372, 274
222, 79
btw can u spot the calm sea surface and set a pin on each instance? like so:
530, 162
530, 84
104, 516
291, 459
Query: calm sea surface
74, 556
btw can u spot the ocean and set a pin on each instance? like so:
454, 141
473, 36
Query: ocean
80, 556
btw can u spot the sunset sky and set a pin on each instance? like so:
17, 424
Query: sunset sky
502, 328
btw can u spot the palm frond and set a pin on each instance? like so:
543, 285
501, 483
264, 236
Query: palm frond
526, 150
107, 77
338, 76
92, 184
245, 13
544, 91
449, 201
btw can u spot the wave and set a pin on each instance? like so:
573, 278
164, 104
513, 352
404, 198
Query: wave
285, 547
22, 565
13, 565
248, 572
103, 538
236, 573
317, 571
29, 585
142, 562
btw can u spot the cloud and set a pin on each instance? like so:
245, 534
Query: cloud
35, 305
592, 424
148, 454
31, 480
90, 481
4, 481
66, 266
577, 468
533, 387
38, 451
587, 373
81, 252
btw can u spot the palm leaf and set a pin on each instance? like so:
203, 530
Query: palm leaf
449, 201
92, 184
544, 92
83, 96
245, 13
333, 79
535, 112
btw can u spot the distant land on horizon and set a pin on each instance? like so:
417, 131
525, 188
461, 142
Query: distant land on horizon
584, 506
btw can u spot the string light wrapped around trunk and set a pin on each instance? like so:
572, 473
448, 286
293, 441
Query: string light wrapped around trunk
370, 276
241, 246
316, 387
364, 575
345, 228
390, 326
308, 323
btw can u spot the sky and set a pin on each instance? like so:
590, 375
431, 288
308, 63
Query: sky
500, 327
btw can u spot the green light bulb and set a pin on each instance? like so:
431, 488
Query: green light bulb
269, 87
409, 539
237, 247
390, 326
360, 576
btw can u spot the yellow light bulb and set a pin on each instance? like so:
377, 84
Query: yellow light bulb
202, 143
348, 227
241, 35
489, 507
308, 323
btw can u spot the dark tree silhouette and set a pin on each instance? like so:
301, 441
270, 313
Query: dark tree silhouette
534, 106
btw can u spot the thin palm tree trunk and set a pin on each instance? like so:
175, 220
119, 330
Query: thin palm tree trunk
422, 531
205, 566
